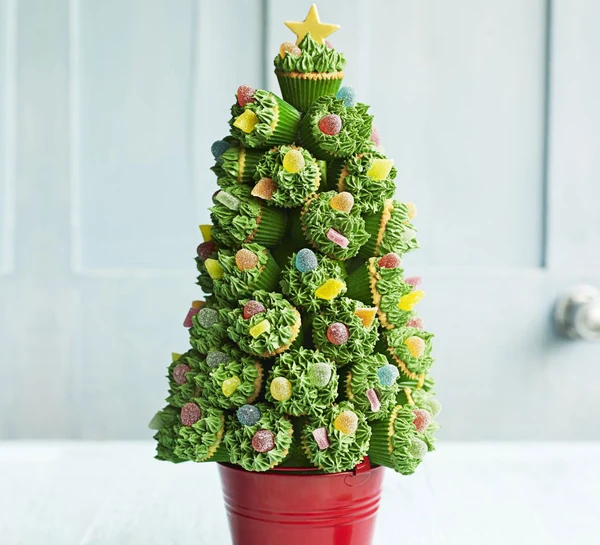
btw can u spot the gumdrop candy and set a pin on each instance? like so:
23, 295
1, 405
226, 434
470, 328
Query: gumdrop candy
417, 449
245, 259
230, 385
291, 48
346, 422
416, 346
215, 358
198, 304
328, 44
408, 235
387, 375
373, 400
330, 289
337, 238
306, 260
179, 373
422, 420
214, 269
293, 161
228, 200
207, 317
264, 189
416, 322
246, 121
281, 389
338, 333
409, 301
261, 327
251, 308
390, 261
342, 202
330, 124
375, 138
190, 414
263, 441
218, 148
380, 169
414, 281
245, 95
206, 249
175, 356
321, 438
206, 232
348, 95
367, 315
412, 210
433, 406
320, 374
248, 415
188, 319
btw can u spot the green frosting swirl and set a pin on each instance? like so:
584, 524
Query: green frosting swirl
179, 395
362, 340
391, 287
265, 107
199, 441
315, 57
395, 339
394, 236
318, 217
344, 451
206, 339
238, 439
294, 365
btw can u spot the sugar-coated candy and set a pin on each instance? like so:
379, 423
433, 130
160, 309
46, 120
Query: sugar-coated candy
230, 385
228, 200
245, 259
246, 121
337, 238
281, 388
387, 374
264, 189
261, 327
380, 169
187, 322
412, 210
367, 315
293, 161
320, 374
218, 148
190, 414
390, 261
409, 301
414, 281
416, 322
306, 260
214, 269
328, 44
346, 422
408, 235
215, 358
373, 400
206, 232
175, 356
248, 415
330, 124
416, 346
375, 138
198, 304
422, 419
343, 202
433, 406
179, 373
206, 249
245, 95
291, 48
338, 333
347, 93
330, 289
418, 448
207, 317
251, 308
263, 441
321, 438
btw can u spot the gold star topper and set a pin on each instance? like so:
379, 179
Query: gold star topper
318, 31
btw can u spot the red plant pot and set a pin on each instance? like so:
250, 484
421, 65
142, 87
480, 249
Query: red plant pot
295, 506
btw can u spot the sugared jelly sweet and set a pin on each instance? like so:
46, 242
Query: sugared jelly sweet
206, 232
422, 419
218, 148
252, 308
330, 289
187, 322
414, 281
264, 189
230, 385
205, 250
215, 358
261, 327
380, 169
337, 238
246, 121
330, 124
338, 333
408, 235
409, 301
281, 388
179, 373
375, 138
412, 210
417, 449
306, 260
348, 95
343, 202
416, 346
245, 95
228, 200
293, 161
346, 422
387, 374
214, 269
416, 322
263, 441
320, 374
373, 400
207, 317
390, 261
248, 415
245, 259
321, 438
190, 414
367, 315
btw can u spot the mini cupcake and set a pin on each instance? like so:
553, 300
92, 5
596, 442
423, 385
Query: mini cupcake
368, 176
410, 350
312, 281
234, 161
258, 438
205, 250
390, 230
200, 435
239, 218
371, 385
209, 328
265, 325
333, 225
427, 409
182, 372
167, 424
331, 130
260, 119
286, 176
243, 271
307, 71
302, 382
345, 332
337, 439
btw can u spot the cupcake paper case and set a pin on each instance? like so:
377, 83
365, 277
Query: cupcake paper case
201, 441
409, 349
235, 162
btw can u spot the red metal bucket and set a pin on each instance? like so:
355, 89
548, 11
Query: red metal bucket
291, 506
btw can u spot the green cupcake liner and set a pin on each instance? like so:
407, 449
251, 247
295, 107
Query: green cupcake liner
297, 237
335, 171
302, 92
379, 449
372, 223
269, 277
221, 455
359, 286
282, 252
324, 174
286, 129
251, 159
271, 228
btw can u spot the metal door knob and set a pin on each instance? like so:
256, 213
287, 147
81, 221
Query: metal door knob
577, 313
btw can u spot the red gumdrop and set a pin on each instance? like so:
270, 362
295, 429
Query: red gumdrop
205, 250
422, 419
190, 414
245, 95
251, 308
375, 138
390, 261
330, 124
263, 441
179, 373
338, 333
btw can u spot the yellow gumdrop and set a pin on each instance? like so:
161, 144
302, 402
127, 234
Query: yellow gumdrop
380, 168
367, 315
230, 385
416, 346
281, 389
289, 47
293, 161
330, 289
246, 121
409, 301
175, 356
198, 304
343, 202
346, 422
206, 231
412, 210
214, 269
260, 328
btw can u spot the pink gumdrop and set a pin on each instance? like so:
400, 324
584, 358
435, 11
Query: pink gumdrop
390, 261
205, 250
375, 138
263, 441
251, 308
321, 438
188, 319
179, 373
373, 399
328, 44
422, 419
245, 95
190, 414
417, 323
414, 281
330, 124
338, 333
337, 238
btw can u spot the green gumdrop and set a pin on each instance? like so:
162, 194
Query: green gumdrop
319, 374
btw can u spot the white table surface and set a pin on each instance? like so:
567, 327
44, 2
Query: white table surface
114, 493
